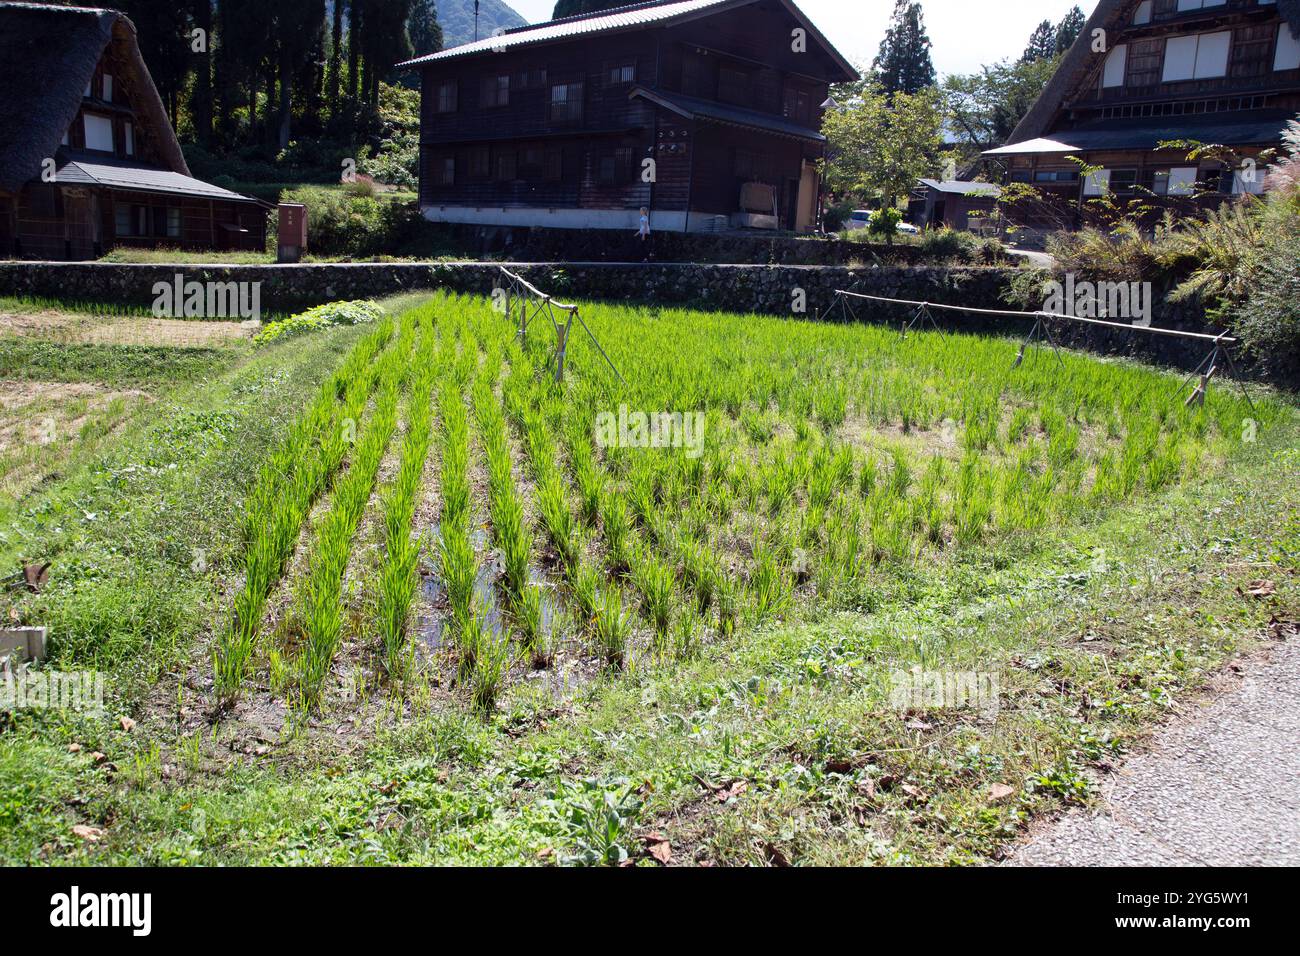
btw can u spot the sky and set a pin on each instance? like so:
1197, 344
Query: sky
966, 33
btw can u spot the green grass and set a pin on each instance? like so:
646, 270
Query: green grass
716, 628
116, 365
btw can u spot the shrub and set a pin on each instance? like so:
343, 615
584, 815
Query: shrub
356, 312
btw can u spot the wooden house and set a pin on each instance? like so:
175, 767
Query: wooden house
1147, 72
957, 204
705, 112
88, 159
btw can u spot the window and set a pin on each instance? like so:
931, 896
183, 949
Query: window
444, 170
1288, 49
446, 96
554, 165
173, 223
1116, 65
751, 165
1196, 57
798, 105
1185, 5
616, 167
1143, 13
505, 166
695, 75
129, 129
1252, 47
1144, 60
531, 163
108, 88
1097, 184
1055, 176
496, 91
43, 201
479, 162
99, 132
622, 74
1123, 181
530, 80
122, 220
566, 102
733, 85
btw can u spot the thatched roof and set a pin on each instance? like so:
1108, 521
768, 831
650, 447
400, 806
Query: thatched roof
47, 56
1111, 16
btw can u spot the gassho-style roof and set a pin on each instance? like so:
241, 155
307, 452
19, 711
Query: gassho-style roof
962, 187
692, 108
618, 19
48, 55
1034, 133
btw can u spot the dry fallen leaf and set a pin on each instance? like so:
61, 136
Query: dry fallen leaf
915, 724
1261, 588
127, 723
663, 852
1000, 791
74, 748
98, 757
89, 834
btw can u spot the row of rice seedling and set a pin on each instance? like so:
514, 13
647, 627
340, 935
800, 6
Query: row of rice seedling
287, 486
397, 578
320, 600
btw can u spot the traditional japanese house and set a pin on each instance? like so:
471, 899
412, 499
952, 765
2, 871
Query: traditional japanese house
956, 204
705, 112
88, 159
1146, 72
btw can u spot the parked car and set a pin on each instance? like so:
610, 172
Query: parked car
858, 219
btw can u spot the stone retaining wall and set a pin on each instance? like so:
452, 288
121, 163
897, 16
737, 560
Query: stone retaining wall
735, 288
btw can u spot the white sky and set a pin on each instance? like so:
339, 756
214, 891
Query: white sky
966, 33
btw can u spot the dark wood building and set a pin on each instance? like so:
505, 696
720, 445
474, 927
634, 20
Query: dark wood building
1222, 72
705, 112
88, 159
957, 204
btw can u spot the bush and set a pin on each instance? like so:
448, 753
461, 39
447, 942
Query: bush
884, 223
356, 312
353, 220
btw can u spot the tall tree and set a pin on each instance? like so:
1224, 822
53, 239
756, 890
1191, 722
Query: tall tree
424, 29
296, 27
903, 64
201, 101
1068, 30
336, 53
1042, 43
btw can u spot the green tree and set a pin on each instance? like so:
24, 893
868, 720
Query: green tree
1068, 30
903, 64
423, 27
985, 107
1042, 43
879, 145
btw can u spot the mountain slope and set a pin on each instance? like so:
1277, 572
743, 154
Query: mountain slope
457, 19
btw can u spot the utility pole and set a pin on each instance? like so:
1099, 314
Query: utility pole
476, 19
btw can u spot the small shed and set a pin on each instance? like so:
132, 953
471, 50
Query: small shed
951, 203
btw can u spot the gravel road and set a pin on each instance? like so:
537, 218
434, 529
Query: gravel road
1219, 787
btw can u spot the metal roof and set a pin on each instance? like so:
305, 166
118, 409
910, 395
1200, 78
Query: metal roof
693, 108
139, 178
1259, 130
963, 188
628, 17
616, 18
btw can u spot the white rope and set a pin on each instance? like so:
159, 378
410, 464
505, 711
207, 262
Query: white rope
1223, 338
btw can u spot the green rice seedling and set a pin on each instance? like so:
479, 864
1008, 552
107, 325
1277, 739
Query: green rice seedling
528, 614
553, 502
491, 662
900, 476
611, 629
728, 605
585, 586
686, 636
590, 482
769, 587
654, 580
617, 528
867, 477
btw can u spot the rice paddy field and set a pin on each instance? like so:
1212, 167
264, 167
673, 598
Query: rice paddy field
393, 593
